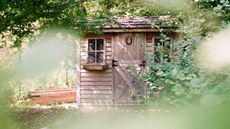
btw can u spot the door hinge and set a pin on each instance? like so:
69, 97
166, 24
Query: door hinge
114, 63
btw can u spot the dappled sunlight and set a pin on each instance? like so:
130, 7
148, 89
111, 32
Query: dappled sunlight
44, 55
121, 120
214, 54
39, 58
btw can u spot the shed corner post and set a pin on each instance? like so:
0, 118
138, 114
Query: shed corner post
78, 73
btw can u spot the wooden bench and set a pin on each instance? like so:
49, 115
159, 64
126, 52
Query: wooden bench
53, 96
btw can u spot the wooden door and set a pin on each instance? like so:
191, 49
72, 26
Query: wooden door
129, 52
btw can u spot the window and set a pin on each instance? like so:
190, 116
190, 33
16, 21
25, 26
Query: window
95, 51
162, 49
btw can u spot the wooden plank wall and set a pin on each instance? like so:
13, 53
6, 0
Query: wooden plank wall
149, 47
96, 86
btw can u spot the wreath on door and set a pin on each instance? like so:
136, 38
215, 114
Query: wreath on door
129, 40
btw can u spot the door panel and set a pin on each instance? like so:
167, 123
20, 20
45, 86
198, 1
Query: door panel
127, 54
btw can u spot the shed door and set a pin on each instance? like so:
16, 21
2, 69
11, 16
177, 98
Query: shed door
129, 52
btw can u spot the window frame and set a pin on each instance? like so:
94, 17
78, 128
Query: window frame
95, 51
163, 45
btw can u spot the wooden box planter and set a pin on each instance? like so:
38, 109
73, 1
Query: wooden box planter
95, 67
53, 96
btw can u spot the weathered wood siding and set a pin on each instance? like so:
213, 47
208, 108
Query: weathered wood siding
127, 55
149, 47
96, 86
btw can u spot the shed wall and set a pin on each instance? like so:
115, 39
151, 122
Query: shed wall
96, 86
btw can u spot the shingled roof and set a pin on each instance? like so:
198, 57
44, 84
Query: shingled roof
142, 22
135, 24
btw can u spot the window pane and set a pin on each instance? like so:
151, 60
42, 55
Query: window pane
91, 44
167, 50
91, 57
99, 57
158, 50
100, 44
158, 42
162, 49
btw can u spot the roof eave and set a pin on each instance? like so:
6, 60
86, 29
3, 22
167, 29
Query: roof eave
117, 30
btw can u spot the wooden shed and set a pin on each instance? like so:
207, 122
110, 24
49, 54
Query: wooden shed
103, 76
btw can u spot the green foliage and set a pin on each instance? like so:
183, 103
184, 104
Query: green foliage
178, 82
21, 17
220, 7
169, 80
182, 81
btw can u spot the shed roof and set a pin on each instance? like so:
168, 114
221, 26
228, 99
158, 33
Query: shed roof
136, 24
142, 22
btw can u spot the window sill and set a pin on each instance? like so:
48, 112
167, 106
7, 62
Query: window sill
95, 67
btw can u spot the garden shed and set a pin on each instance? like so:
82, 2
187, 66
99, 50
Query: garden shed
104, 74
